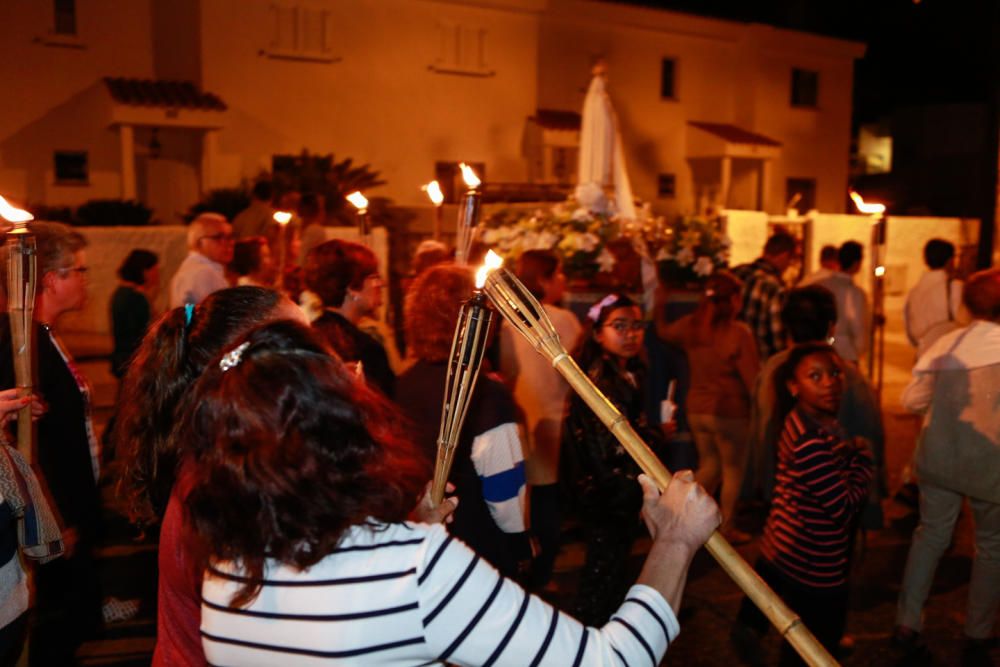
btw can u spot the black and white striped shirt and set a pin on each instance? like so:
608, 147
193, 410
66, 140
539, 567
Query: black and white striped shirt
408, 594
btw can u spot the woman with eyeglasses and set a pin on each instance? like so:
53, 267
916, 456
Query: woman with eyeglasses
724, 364
593, 462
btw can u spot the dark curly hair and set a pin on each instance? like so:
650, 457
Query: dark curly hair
292, 451
336, 266
155, 390
431, 310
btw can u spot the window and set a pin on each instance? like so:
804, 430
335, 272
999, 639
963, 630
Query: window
71, 168
665, 185
800, 193
64, 22
668, 73
805, 88
300, 32
462, 50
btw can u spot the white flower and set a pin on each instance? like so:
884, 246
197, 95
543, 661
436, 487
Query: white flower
587, 242
547, 240
704, 266
663, 254
685, 257
490, 236
591, 196
582, 214
605, 260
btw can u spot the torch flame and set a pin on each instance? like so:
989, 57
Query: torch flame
469, 176
872, 208
11, 214
282, 217
358, 200
492, 262
879, 271
433, 191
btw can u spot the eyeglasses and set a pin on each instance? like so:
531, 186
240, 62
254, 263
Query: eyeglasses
82, 270
221, 236
624, 326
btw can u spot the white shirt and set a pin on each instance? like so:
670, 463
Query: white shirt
850, 337
196, 278
932, 309
819, 275
407, 594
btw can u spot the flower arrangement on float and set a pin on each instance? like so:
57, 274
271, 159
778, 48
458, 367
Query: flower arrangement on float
599, 249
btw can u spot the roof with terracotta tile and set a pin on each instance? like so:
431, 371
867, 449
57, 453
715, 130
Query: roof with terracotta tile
734, 135
158, 93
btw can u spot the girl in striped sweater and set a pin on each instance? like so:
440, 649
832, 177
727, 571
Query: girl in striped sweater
822, 482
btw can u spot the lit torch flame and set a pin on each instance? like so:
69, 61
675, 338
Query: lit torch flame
879, 271
282, 217
492, 262
358, 200
469, 176
872, 208
11, 214
433, 191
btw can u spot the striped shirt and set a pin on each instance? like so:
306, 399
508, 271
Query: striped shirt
821, 484
408, 594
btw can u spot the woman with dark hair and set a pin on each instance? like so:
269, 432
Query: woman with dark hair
131, 305
601, 472
298, 506
345, 277
488, 470
722, 355
252, 262
540, 392
156, 463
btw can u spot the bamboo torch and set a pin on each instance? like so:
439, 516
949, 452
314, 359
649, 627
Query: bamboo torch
467, 348
21, 280
364, 225
282, 218
433, 190
527, 316
468, 215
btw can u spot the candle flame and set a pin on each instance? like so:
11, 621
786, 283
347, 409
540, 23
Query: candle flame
879, 271
12, 214
433, 190
873, 208
358, 200
492, 262
282, 217
469, 176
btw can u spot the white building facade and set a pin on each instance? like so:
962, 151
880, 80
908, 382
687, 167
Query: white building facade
712, 112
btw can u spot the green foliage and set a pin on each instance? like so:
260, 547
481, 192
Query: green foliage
227, 201
112, 213
334, 180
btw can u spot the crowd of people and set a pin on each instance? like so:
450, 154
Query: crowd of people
283, 448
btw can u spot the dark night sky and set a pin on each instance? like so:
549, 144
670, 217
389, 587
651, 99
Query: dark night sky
930, 51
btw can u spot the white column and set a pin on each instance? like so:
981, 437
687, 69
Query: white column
765, 184
727, 177
126, 136
209, 151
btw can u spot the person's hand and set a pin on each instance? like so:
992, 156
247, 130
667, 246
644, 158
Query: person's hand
684, 513
70, 540
660, 295
669, 429
10, 403
427, 512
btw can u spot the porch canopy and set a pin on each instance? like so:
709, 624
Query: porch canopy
720, 146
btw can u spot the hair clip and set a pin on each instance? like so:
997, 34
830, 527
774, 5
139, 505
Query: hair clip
594, 313
233, 358
188, 313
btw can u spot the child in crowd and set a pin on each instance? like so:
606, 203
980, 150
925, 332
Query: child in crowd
602, 471
822, 483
